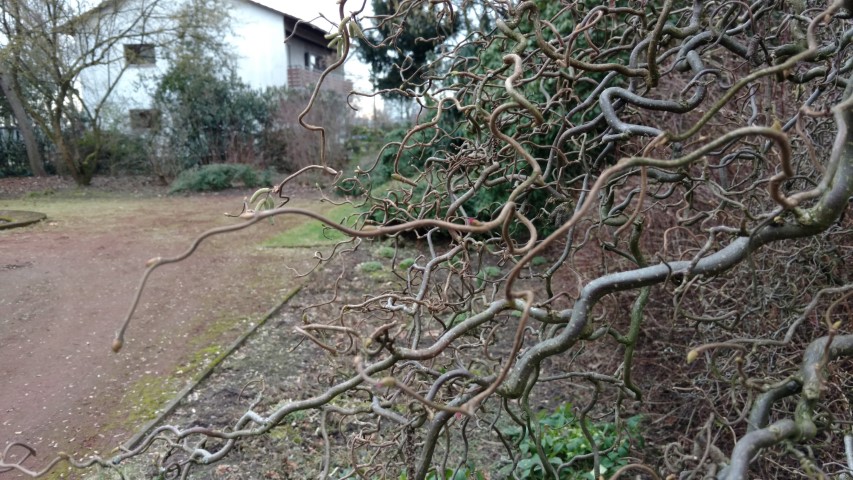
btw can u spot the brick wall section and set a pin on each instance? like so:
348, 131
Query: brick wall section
298, 77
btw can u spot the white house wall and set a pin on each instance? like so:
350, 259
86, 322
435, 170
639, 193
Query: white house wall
258, 41
136, 82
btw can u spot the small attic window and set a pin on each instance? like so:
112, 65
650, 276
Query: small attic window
144, 119
140, 54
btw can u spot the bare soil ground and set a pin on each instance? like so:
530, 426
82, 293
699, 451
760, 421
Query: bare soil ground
276, 365
66, 284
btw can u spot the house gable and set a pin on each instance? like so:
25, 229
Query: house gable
258, 43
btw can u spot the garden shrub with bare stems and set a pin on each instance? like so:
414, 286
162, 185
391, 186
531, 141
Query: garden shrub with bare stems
299, 147
685, 168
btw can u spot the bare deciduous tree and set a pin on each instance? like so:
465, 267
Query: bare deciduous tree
684, 166
50, 45
10, 89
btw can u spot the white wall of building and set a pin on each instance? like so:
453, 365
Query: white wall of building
256, 40
258, 44
125, 86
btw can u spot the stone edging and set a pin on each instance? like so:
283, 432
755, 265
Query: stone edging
170, 407
19, 218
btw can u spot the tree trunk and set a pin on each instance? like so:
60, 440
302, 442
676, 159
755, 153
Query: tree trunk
69, 156
8, 84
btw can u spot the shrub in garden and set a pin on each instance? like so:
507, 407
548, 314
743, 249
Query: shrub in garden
220, 176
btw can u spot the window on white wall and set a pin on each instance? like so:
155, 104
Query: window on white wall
144, 119
140, 54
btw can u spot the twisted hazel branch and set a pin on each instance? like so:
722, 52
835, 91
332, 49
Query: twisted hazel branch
30, 451
626, 163
826, 211
635, 466
811, 375
254, 217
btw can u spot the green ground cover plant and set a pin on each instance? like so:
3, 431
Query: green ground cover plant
564, 442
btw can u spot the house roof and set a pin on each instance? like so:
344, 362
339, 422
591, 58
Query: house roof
304, 30
296, 26
70, 26
292, 25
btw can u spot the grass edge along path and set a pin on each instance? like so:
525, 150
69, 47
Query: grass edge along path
313, 232
170, 407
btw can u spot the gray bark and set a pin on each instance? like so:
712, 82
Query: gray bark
811, 374
8, 86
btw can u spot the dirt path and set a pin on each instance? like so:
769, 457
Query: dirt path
66, 283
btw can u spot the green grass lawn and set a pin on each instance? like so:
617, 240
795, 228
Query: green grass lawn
312, 232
